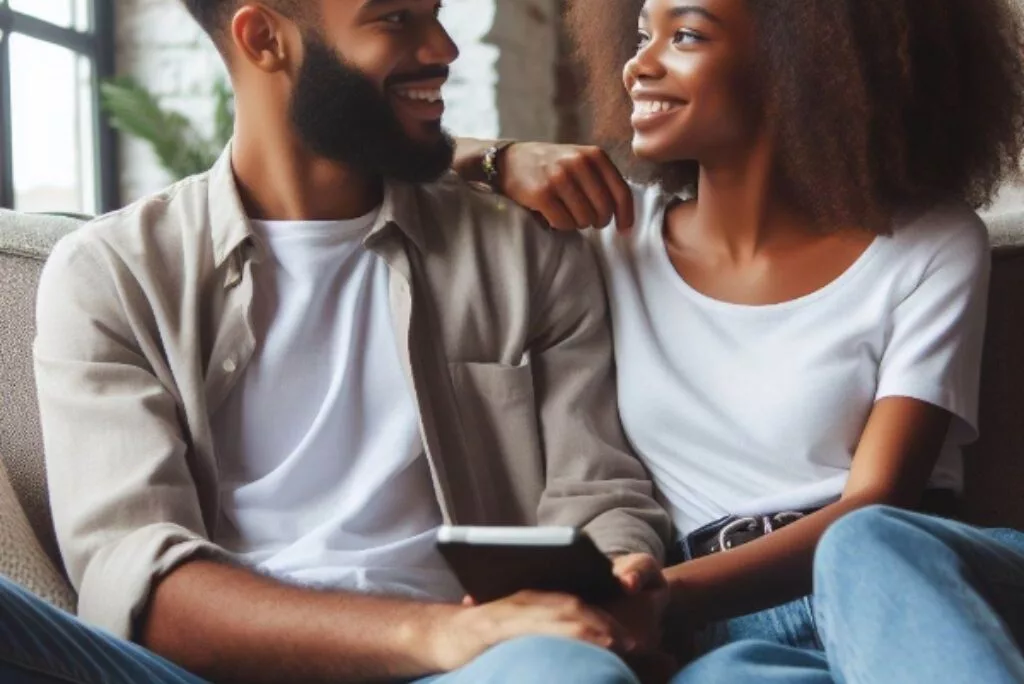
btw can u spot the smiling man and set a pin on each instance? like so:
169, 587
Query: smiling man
263, 390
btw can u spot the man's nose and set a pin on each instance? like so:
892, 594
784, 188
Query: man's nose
438, 46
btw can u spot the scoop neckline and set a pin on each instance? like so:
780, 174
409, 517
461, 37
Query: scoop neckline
837, 283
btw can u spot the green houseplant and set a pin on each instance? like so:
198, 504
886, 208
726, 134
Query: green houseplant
181, 149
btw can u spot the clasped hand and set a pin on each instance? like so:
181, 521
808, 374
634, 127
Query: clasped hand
630, 625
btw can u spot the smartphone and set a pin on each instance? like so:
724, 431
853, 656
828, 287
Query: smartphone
495, 562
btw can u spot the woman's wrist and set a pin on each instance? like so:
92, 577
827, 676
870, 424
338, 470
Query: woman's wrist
686, 607
482, 161
469, 159
494, 164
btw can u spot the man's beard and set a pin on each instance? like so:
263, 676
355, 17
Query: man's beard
340, 114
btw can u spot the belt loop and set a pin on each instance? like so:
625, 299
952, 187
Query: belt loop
687, 549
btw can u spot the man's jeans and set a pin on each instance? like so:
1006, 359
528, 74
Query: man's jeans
899, 598
42, 645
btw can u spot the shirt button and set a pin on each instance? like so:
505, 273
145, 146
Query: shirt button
229, 366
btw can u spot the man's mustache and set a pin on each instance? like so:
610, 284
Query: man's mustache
427, 74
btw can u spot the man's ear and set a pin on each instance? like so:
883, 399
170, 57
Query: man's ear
262, 38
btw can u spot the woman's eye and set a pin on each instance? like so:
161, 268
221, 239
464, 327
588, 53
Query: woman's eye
686, 37
642, 39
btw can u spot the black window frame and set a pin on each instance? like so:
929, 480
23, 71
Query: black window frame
97, 45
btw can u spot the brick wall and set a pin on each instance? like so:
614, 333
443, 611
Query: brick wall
514, 78
506, 83
160, 45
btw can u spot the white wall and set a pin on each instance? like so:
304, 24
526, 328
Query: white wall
503, 84
1011, 198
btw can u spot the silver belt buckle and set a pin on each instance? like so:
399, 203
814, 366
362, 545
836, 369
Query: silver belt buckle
780, 520
735, 526
767, 523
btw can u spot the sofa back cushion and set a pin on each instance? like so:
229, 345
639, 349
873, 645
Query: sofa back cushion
25, 241
994, 466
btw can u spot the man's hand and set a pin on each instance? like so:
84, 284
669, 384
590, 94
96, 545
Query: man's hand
571, 187
462, 635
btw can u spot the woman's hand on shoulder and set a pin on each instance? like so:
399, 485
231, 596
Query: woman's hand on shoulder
571, 186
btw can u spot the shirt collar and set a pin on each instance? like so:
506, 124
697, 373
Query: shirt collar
402, 208
230, 226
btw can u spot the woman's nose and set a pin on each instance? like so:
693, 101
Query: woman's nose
645, 64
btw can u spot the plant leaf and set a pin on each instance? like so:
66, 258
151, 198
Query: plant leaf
135, 111
224, 114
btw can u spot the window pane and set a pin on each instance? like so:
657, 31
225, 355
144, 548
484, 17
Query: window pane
52, 122
66, 13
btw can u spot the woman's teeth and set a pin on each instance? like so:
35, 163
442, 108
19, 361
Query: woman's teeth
420, 95
653, 106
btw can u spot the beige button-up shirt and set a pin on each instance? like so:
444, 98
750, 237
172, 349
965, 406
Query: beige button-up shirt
144, 328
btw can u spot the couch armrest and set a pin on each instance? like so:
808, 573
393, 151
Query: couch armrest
22, 559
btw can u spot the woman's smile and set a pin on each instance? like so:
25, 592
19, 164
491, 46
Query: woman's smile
651, 109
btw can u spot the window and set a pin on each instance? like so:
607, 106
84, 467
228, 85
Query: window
56, 152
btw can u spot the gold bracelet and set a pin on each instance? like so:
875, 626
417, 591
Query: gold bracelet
490, 161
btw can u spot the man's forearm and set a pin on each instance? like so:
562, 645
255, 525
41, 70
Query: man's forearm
227, 624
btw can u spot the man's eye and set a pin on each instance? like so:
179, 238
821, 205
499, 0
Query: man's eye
687, 37
396, 18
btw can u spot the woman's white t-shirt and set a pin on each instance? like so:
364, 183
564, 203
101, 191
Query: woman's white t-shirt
740, 409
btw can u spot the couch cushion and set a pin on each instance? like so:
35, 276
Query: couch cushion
22, 559
994, 467
25, 240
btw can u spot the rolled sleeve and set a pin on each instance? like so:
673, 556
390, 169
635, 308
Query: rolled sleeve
594, 481
120, 575
125, 506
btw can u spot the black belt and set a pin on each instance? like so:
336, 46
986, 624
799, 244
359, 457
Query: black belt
732, 531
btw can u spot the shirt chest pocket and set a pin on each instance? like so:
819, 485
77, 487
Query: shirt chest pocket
498, 414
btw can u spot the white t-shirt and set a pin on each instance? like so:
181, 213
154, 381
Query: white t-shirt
754, 409
323, 477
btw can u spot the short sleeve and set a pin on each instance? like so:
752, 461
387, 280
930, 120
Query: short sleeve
937, 330
648, 203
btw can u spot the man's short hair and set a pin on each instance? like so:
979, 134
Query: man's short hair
213, 15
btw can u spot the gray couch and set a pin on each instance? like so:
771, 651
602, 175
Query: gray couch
28, 552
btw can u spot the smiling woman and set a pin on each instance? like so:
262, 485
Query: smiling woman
869, 114
798, 306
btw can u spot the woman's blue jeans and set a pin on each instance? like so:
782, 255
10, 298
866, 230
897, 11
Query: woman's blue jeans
899, 598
